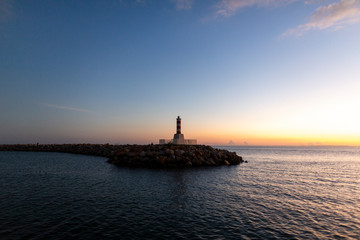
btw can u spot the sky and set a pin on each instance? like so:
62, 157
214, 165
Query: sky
243, 72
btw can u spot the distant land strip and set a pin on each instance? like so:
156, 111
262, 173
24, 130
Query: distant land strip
152, 156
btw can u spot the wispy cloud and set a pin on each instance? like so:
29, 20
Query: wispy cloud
179, 4
6, 9
133, 2
66, 107
333, 16
227, 8
183, 4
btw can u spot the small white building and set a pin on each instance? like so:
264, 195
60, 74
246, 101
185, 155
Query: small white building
178, 136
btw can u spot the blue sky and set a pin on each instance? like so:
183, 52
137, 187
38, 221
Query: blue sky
246, 71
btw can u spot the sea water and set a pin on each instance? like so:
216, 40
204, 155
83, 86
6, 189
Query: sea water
281, 193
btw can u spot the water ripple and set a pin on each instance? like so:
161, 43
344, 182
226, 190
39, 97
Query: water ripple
282, 193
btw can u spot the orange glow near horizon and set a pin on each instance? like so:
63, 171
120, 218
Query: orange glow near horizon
280, 140
319, 118
267, 141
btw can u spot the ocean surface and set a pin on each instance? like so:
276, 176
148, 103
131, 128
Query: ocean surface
281, 193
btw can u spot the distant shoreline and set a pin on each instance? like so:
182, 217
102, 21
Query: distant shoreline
152, 156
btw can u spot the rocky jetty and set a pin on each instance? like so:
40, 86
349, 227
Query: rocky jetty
104, 150
171, 156
153, 156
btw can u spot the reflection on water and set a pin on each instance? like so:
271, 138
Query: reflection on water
282, 193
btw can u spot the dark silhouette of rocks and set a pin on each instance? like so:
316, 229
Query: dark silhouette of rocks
172, 156
152, 156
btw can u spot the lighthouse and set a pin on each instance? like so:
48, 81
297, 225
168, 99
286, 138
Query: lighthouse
178, 125
178, 136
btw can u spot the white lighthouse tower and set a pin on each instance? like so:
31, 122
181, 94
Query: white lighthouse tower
178, 136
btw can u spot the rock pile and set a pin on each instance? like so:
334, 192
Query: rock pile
172, 156
154, 156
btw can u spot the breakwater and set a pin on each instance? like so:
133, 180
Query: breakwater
168, 156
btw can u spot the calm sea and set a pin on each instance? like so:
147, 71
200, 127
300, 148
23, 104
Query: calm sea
281, 193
